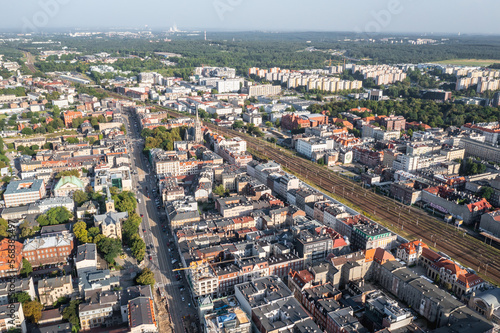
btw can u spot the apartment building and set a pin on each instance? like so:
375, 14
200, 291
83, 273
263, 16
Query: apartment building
284, 313
370, 235
320, 300
50, 290
234, 206
474, 148
23, 192
18, 285
98, 313
308, 146
393, 123
263, 90
86, 258
141, 315
8, 322
235, 321
69, 116
96, 280
261, 291
48, 249
343, 320
10, 266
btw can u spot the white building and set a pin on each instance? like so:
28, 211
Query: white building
8, 322
86, 258
406, 163
228, 85
307, 146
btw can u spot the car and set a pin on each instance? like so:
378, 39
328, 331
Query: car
143, 230
150, 258
189, 304
142, 215
183, 299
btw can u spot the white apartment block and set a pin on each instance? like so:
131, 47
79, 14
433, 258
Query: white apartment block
23, 192
228, 85
264, 90
308, 146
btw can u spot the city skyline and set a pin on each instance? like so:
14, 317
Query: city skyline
237, 15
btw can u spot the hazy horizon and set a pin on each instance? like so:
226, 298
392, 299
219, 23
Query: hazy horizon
391, 16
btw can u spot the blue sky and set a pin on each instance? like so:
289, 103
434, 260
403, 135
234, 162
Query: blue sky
426, 16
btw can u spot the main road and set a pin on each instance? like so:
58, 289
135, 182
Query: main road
158, 256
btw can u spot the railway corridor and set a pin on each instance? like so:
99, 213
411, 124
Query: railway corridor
410, 222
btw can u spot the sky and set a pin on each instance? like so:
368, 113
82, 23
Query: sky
402, 16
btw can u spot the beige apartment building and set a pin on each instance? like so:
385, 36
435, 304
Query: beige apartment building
49, 290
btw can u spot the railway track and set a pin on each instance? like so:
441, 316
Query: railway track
413, 223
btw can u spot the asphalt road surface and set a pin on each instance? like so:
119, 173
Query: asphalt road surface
151, 231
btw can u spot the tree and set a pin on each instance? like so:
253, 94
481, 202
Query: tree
80, 197
72, 140
110, 247
73, 172
98, 238
27, 269
138, 247
269, 124
26, 230
4, 227
33, 311
56, 112
219, 190
125, 202
486, 192
27, 131
238, 124
447, 286
70, 314
54, 216
21, 297
130, 227
146, 277
93, 232
437, 279
80, 231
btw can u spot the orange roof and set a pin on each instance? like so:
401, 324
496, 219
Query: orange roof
378, 255
301, 278
431, 255
411, 247
360, 110
451, 266
6, 263
243, 219
480, 205
470, 280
